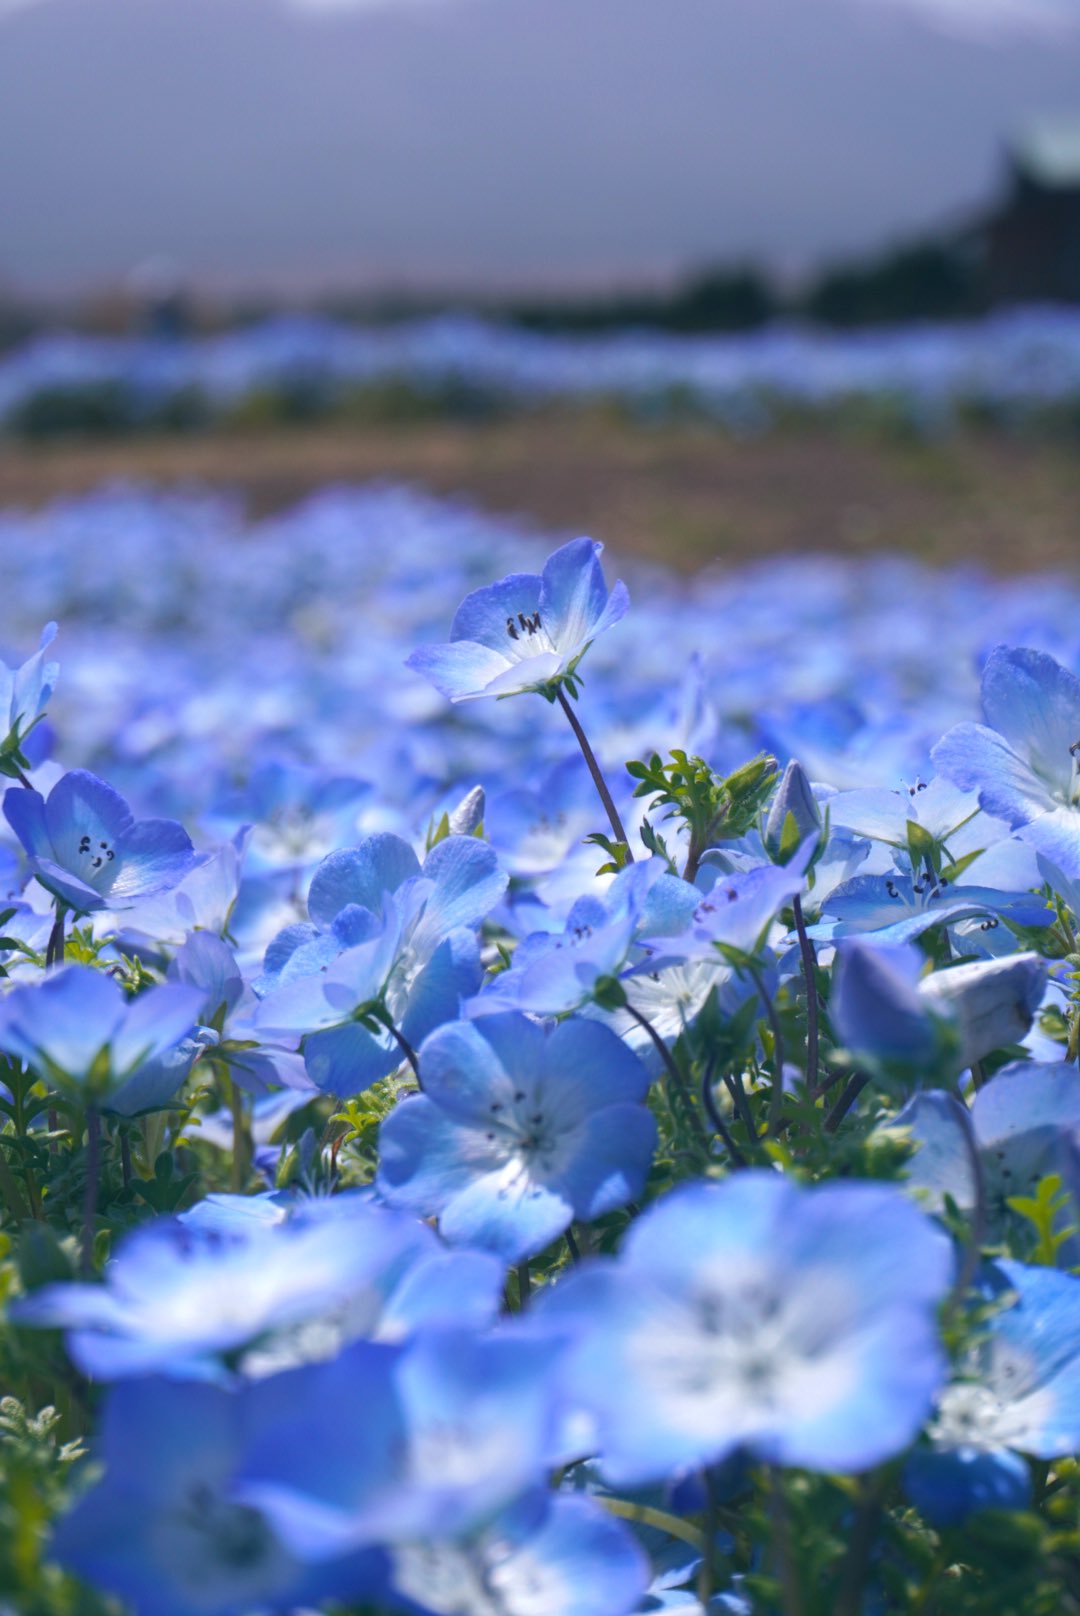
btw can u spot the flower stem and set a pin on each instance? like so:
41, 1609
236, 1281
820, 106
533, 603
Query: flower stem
706, 1586
125, 1157
712, 1112
977, 1233
776, 1101
93, 1156
852, 1089
674, 1072
597, 774
54, 949
645, 1515
240, 1153
406, 1049
809, 965
787, 1576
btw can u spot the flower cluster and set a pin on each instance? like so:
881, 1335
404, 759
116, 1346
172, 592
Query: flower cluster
464, 1178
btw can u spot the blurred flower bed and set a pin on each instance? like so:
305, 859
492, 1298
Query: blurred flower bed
1008, 367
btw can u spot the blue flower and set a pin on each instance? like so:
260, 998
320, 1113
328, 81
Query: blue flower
1017, 1391
164, 1529
387, 1444
882, 1010
389, 939
80, 1032
1023, 761
544, 1554
85, 847
797, 1323
24, 694
527, 632
267, 1292
554, 972
520, 1129
1025, 1122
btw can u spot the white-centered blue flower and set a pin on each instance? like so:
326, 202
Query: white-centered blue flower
796, 1323
528, 631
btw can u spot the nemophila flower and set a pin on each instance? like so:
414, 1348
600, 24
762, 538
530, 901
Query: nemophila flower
388, 940
86, 848
204, 900
544, 1554
899, 907
737, 909
163, 1529
1025, 1123
78, 1030
24, 695
1017, 1391
181, 1297
527, 632
553, 972
520, 1129
1024, 762
885, 1007
297, 815
385, 1444
797, 1323
207, 964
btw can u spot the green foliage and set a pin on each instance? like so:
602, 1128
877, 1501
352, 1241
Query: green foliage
712, 808
1043, 1211
37, 1471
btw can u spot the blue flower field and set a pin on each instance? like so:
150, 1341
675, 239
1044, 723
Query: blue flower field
528, 1086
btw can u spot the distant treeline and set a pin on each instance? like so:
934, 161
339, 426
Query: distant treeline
933, 279
924, 281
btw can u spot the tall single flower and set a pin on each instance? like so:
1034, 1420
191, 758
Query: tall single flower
85, 846
527, 632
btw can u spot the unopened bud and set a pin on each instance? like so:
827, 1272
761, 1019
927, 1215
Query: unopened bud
794, 814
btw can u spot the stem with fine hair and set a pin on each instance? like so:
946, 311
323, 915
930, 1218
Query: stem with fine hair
672, 1067
93, 1157
786, 1573
852, 1090
977, 1232
809, 965
597, 774
406, 1049
708, 1099
241, 1154
776, 1100
54, 949
706, 1585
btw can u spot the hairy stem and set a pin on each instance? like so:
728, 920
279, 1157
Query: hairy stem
809, 965
597, 774
93, 1160
674, 1072
852, 1089
712, 1112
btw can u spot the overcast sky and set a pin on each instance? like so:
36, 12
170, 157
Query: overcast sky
503, 141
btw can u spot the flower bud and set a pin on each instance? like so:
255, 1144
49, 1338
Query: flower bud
794, 814
876, 1006
990, 1002
468, 816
